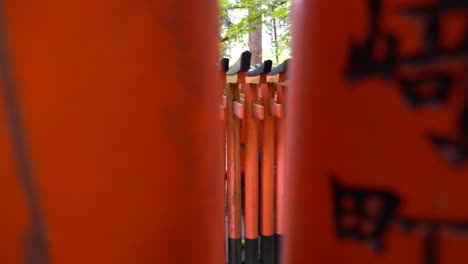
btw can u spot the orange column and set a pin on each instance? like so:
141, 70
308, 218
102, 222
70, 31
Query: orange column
277, 77
251, 175
224, 67
113, 153
234, 191
376, 133
280, 173
233, 179
253, 114
235, 76
280, 176
268, 177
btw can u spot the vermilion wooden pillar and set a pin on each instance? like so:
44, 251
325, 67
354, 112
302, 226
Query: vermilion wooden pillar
267, 229
224, 67
254, 113
234, 115
376, 158
110, 141
278, 78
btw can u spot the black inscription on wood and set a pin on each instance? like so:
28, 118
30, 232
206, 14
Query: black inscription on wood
365, 215
426, 87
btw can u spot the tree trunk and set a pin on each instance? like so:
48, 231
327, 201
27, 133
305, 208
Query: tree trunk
255, 43
275, 35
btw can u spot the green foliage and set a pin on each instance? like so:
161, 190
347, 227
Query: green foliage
249, 15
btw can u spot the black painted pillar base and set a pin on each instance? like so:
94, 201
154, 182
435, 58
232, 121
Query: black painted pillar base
251, 251
235, 250
268, 249
278, 248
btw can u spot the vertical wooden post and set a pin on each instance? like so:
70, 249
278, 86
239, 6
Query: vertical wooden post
235, 75
280, 176
377, 153
224, 67
233, 180
278, 78
268, 177
109, 139
253, 114
251, 177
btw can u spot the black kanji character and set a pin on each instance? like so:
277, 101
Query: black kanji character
455, 151
363, 215
431, 15
431, 231
362, 62
433, 90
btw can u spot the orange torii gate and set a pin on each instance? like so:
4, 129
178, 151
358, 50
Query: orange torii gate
110, 142
252, 108
234, 114
278, 78
376, 133
254, 115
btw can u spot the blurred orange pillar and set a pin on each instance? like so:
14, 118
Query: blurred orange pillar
376, 137
113, 153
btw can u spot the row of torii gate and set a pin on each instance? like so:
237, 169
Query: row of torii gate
252, 111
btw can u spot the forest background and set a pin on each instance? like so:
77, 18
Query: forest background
262, 27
